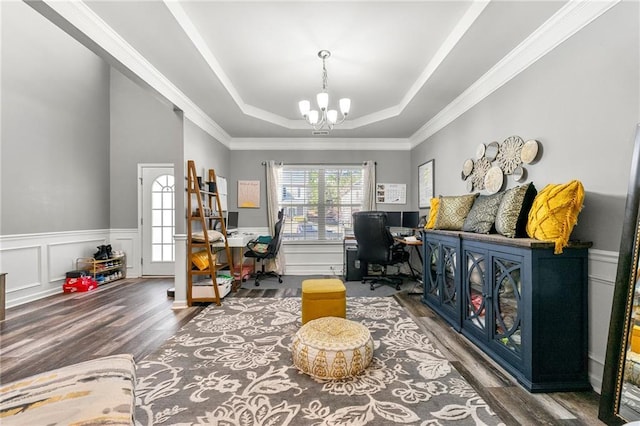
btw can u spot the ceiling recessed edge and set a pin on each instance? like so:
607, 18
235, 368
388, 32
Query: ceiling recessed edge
567, 21
319, 144
192, 33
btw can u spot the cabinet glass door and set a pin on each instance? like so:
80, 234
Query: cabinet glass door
507, 293
476, 308
432, 256
449, 293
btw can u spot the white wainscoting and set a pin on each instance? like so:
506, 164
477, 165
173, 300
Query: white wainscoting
36, 264
313, 259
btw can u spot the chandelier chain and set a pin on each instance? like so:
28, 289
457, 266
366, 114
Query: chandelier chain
325, 79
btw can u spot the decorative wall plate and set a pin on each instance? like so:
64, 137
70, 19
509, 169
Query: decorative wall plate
529, 151
480, 151
467, 167
493, 180
509, 154
470, 185
479, 171
519, 174
491, 152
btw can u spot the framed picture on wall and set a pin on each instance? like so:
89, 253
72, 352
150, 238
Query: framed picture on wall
249, 194
425, 184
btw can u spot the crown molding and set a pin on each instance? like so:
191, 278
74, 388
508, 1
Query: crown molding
320, 144
567, 21
76, 17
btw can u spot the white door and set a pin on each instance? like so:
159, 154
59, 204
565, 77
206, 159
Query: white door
158, 220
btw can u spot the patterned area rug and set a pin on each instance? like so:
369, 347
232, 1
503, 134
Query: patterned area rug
231, 365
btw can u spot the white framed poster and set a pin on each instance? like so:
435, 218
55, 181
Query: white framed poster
425, 184
391, 193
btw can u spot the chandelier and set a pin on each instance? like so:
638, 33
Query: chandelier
325, 117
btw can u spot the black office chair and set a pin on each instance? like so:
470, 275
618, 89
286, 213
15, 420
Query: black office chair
263, 249
376, 246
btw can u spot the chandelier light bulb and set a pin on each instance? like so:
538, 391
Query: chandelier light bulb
345, 105
324, 117
323, 100
313, 116
304, 106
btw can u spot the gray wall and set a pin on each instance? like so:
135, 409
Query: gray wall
54, 170
247, 165
581, 101
205, 151
143, 130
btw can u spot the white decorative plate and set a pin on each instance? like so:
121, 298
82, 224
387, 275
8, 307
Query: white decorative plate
529, 151
493, 180
480, 151
519, 174
467, 167
509, 154
491, 152
479, 171
470, 185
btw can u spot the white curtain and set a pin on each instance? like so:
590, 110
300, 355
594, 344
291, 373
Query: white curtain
273, 171
369, 184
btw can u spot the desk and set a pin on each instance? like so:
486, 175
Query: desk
239, 241
416, 244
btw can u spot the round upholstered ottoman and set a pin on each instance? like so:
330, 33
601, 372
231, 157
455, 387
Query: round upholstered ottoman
332, 348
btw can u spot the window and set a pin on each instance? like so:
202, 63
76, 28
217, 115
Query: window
319, 200
162, 219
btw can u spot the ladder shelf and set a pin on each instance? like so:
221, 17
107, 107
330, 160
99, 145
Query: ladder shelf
204, 210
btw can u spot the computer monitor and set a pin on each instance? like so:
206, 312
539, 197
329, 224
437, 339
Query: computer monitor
394, 218
410, 219
232, 221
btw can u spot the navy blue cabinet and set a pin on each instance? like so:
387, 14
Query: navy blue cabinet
517, 301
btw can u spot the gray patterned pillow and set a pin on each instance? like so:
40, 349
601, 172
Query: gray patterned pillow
453, 211
483, 213
511, 219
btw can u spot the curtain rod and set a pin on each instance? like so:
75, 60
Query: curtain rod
264, 163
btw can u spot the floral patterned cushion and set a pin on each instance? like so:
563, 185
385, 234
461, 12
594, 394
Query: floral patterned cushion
99, 391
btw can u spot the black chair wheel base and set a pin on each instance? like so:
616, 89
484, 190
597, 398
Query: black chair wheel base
371, 287
398, 287
280, 280
257, 283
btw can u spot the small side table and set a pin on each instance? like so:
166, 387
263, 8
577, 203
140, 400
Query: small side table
2, 294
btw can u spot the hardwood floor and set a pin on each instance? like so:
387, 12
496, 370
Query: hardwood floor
135, 316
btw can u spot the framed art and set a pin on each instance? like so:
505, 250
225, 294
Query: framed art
425, 184
249, 194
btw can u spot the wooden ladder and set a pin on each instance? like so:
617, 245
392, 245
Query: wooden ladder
207, 212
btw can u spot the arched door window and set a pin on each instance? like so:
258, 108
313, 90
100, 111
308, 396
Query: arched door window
162, 219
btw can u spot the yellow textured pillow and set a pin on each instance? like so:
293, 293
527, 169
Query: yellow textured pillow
554, 213
201, 259
433, 213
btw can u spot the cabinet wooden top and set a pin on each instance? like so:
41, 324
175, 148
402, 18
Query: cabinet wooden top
501, 239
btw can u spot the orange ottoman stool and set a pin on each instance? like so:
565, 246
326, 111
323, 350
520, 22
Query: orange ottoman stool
326, 297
